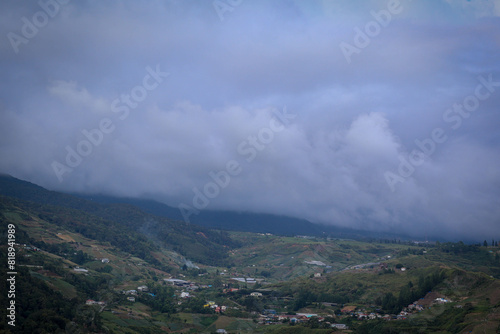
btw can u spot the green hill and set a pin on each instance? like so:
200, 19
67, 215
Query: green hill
121, 224
69, 250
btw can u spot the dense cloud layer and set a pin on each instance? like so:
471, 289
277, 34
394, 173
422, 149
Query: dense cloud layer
381, 115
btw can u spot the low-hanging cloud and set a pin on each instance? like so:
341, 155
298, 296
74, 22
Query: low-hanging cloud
227, 80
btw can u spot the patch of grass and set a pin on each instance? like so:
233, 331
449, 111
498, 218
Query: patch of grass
64, 287
208, 320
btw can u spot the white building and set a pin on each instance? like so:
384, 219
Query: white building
143, 288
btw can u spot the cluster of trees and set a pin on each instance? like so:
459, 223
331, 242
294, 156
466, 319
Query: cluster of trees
195, 305
87, 285
411, 251
305, 297
493, 243
308, 292
397, 241
40, 309
265, 273
161, 298
409, 293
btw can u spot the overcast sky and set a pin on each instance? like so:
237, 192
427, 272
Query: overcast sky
380, 115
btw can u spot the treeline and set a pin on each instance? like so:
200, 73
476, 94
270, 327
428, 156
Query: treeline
458, 247
411, 251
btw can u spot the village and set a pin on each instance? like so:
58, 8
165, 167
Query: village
333, 315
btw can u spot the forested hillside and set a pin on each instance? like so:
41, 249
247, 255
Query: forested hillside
122, 224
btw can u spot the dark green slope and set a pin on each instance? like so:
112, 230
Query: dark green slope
196, 243
246, 221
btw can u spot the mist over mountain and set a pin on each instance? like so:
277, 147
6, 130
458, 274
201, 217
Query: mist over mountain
379, 116
221, 220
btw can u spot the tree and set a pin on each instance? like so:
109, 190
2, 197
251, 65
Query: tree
313, 322
389, 302
217, 282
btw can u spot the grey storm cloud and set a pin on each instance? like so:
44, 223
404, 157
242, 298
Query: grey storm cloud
154, 98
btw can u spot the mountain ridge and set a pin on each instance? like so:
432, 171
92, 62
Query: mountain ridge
195, 242
212, 219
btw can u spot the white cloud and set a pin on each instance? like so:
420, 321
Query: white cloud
353, 120
76, 97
